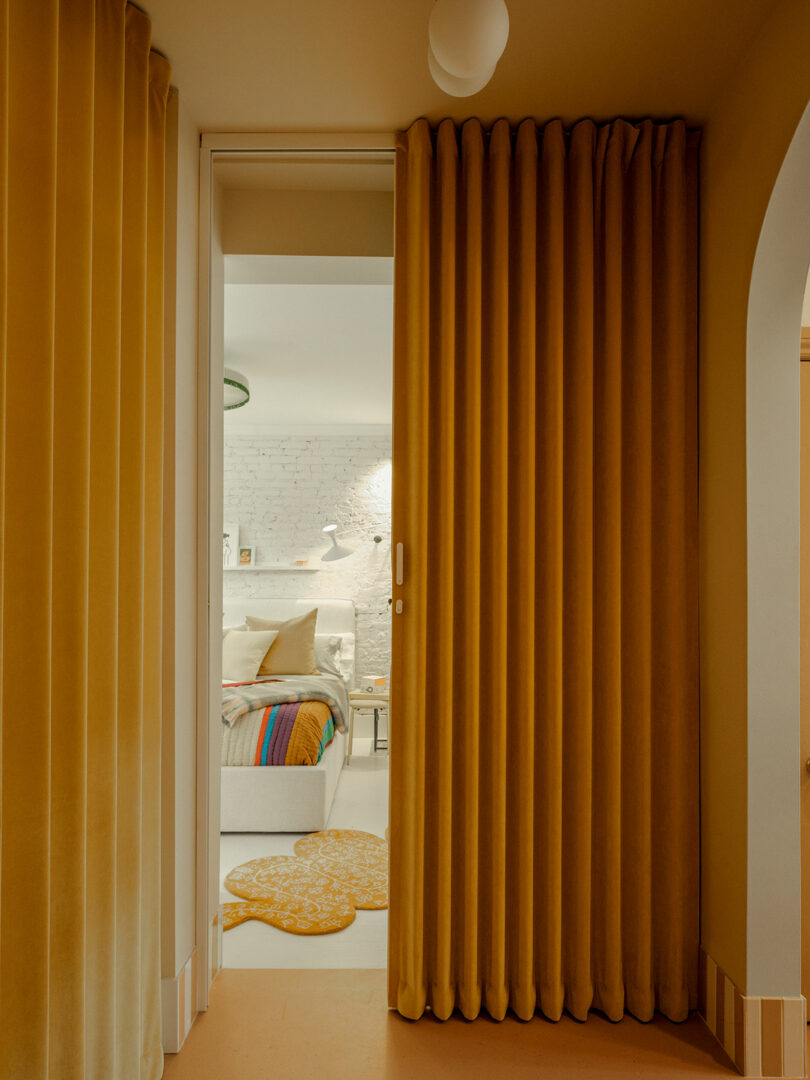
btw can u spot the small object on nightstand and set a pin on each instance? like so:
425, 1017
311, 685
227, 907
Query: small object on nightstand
370, 683
375, 698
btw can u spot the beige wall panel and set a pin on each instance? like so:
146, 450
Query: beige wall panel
180, 602
185, 467
805, 669
307, 223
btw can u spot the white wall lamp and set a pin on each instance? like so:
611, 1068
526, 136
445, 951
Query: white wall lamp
237, 389
467, 39
336, 551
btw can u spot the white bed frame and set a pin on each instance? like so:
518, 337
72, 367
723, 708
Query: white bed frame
290, 798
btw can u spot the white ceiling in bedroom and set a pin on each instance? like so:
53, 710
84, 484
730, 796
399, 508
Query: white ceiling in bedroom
314, 337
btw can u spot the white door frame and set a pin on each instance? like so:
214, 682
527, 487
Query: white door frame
208, 928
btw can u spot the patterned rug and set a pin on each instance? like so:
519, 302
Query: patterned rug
317, 890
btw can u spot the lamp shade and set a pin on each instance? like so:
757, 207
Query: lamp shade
452, 84
237, 389
336, 551
468, 36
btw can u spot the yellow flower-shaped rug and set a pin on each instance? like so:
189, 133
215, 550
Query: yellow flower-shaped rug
315, 891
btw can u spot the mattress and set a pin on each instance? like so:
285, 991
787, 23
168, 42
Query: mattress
295, 799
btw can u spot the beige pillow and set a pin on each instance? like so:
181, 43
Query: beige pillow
243, 652
293, 651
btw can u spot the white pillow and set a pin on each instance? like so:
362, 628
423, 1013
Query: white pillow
243, 652
327, 654
226, 629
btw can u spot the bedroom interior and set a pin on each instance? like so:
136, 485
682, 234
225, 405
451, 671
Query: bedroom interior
558, 851
307, 324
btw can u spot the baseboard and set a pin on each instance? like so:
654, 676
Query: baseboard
179, 1005
763, 1036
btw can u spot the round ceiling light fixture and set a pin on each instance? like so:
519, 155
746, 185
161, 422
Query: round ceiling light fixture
467, 39
452, 84
237, 389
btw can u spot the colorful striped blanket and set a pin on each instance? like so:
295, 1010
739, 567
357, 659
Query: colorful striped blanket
285, 721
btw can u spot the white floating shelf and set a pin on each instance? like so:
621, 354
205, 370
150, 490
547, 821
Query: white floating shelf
276, 568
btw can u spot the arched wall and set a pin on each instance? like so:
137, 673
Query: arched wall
749, 812
772, 451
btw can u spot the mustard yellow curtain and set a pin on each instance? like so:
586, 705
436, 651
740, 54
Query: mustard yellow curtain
81, 504
544, 764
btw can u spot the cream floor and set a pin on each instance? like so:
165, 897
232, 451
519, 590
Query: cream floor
331, 1025
361, 802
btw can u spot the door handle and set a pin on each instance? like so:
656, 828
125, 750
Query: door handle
399, 573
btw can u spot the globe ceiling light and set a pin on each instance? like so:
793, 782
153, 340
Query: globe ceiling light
237, 389
452, 84
468, 36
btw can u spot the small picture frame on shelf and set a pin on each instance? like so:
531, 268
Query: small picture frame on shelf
247, 556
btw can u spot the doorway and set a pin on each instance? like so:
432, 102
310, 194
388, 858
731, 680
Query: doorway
296, 299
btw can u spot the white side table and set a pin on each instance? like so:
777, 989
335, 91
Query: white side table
364, 700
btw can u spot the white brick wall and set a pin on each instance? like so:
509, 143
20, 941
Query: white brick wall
283, 489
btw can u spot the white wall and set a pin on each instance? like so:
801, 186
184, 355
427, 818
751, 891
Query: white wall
772, 449
283, 488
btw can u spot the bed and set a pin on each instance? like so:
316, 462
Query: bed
290, 798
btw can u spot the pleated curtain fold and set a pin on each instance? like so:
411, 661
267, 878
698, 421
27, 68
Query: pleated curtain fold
82, 148
544, 761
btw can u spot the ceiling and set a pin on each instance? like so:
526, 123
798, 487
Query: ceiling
314, 337
361, 65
